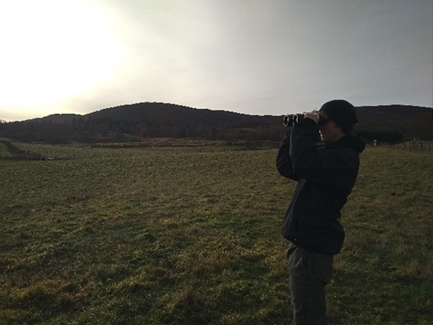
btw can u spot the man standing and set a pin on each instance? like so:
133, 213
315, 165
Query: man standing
326, 175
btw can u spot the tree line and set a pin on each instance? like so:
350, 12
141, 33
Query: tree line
105, 129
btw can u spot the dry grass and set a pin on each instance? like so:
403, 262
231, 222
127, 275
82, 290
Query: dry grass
191, 235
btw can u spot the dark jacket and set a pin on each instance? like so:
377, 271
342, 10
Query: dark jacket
326, 175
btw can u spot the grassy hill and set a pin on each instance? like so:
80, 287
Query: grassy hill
391, 123
162, 112
56, 118
411, 121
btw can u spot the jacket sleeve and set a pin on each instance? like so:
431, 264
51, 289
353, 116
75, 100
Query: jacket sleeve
331, 167
284, 162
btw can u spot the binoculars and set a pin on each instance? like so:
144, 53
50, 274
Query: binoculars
293, 119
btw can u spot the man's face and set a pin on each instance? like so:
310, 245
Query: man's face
329, 131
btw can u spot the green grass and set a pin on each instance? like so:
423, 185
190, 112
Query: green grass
191, 235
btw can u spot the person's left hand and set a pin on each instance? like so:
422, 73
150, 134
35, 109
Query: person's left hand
312, 115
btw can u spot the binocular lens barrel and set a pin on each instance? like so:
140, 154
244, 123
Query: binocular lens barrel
292, 119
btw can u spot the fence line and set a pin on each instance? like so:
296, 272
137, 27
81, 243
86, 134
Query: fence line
408, 145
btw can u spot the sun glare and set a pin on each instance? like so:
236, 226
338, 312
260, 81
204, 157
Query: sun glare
52, 50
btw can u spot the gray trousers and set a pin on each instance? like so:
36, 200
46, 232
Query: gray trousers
309, 273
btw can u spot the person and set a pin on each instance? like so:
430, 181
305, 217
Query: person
326, 174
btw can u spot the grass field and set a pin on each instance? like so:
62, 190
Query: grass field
191, 235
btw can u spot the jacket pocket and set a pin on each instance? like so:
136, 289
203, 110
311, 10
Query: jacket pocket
320, 266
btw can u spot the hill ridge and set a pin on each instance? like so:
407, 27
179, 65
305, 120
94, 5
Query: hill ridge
391, 123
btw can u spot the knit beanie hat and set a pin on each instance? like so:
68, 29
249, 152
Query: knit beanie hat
342, 113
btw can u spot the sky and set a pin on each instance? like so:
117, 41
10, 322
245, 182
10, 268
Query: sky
261, 57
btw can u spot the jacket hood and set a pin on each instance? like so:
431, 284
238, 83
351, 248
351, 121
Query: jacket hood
351, 141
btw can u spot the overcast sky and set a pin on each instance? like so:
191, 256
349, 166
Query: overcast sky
250, 56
